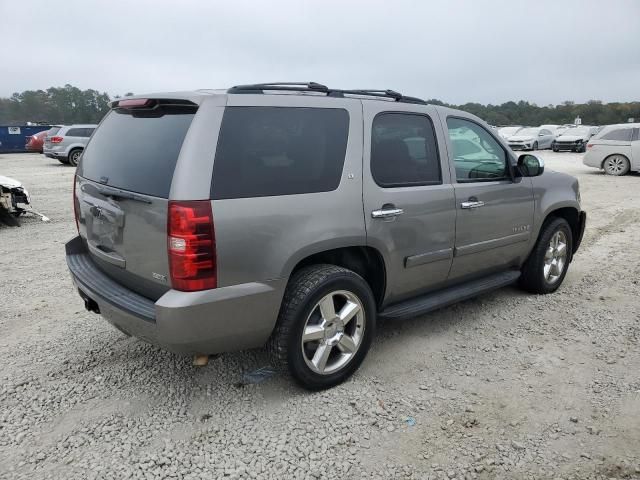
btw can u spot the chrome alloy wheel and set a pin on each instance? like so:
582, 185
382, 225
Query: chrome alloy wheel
615, 165
555, 257
333, 332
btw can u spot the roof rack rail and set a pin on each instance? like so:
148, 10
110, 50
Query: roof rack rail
317, 87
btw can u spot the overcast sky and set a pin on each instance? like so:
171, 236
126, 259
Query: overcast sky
487, 51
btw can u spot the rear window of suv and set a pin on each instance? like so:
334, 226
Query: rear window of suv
136, 152
269, 151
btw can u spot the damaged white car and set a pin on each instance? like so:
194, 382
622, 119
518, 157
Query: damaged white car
15, 201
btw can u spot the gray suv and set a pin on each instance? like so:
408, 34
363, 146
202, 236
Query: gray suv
296, 216
67, 143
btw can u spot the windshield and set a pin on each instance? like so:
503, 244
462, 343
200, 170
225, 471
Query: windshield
528, 132
577, 131
509, 130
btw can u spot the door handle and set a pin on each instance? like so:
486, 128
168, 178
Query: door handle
387, 213
473, 204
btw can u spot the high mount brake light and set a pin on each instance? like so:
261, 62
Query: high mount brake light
135, 103
191, 245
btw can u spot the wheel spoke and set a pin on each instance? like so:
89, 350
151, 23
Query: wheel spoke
321, 356
327, 309
548, 256
561, 250
349, 311
555, 270
312, 333
346, 344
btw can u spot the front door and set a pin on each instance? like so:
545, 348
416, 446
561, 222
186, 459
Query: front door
494, 209
409, 203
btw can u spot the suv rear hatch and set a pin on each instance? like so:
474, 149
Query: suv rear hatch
122, 190
50, 133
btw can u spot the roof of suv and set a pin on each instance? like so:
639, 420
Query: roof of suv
300, 88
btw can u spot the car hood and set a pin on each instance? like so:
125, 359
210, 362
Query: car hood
571, 138
9, 182
518, 138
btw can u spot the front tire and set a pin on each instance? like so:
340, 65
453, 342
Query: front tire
74, 156
547, 265
617, 165
325, 327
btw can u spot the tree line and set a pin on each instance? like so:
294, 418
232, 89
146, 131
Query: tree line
69, 104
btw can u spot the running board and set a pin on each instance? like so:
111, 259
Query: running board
448, 296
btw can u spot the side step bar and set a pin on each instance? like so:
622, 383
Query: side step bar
448, 296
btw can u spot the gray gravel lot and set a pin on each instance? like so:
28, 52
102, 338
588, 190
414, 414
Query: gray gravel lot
508, 385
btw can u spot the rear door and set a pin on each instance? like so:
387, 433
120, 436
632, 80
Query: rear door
408, 197
122, 190
494, 210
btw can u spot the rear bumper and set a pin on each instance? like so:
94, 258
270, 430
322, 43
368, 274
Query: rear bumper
211, 321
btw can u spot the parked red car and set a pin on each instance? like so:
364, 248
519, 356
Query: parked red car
36, 142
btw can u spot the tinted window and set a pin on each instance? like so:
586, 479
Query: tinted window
52, 131
138, 153
404, 150
265, 151
477, 155
620, 134
636, 134
76, 132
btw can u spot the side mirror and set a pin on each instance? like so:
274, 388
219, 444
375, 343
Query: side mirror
541, 134
530, 165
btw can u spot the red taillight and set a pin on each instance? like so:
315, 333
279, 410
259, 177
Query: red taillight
75, 202
56, 139
589, 145
192, 246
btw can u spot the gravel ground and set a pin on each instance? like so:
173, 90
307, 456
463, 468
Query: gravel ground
508, 385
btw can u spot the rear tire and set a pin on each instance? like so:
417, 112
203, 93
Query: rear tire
325, 327
547, 265
74, 156
617, 165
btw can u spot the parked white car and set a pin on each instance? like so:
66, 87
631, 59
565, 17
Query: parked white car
531, 138
552, 128
506, 132
615, 149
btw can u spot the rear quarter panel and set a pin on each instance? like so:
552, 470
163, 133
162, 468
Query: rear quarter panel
262, 239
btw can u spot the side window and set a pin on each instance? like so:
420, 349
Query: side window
88, 132
404, 151
75, 132
620, 135
477, 155
636, 135
270, 151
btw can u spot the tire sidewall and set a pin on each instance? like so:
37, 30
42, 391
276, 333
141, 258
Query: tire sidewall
557, 224
297, 365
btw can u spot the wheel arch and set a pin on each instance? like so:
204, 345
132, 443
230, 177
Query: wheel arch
574, 217
617, 154
364, 260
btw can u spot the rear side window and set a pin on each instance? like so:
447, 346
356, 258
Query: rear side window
52, 131
80, 132
137, 153
620, 135
268, 151
404, 151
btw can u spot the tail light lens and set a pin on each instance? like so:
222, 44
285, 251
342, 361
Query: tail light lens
76, 204
191, 245
589, 145
56, 139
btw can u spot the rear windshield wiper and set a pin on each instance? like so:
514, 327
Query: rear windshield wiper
108, 192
